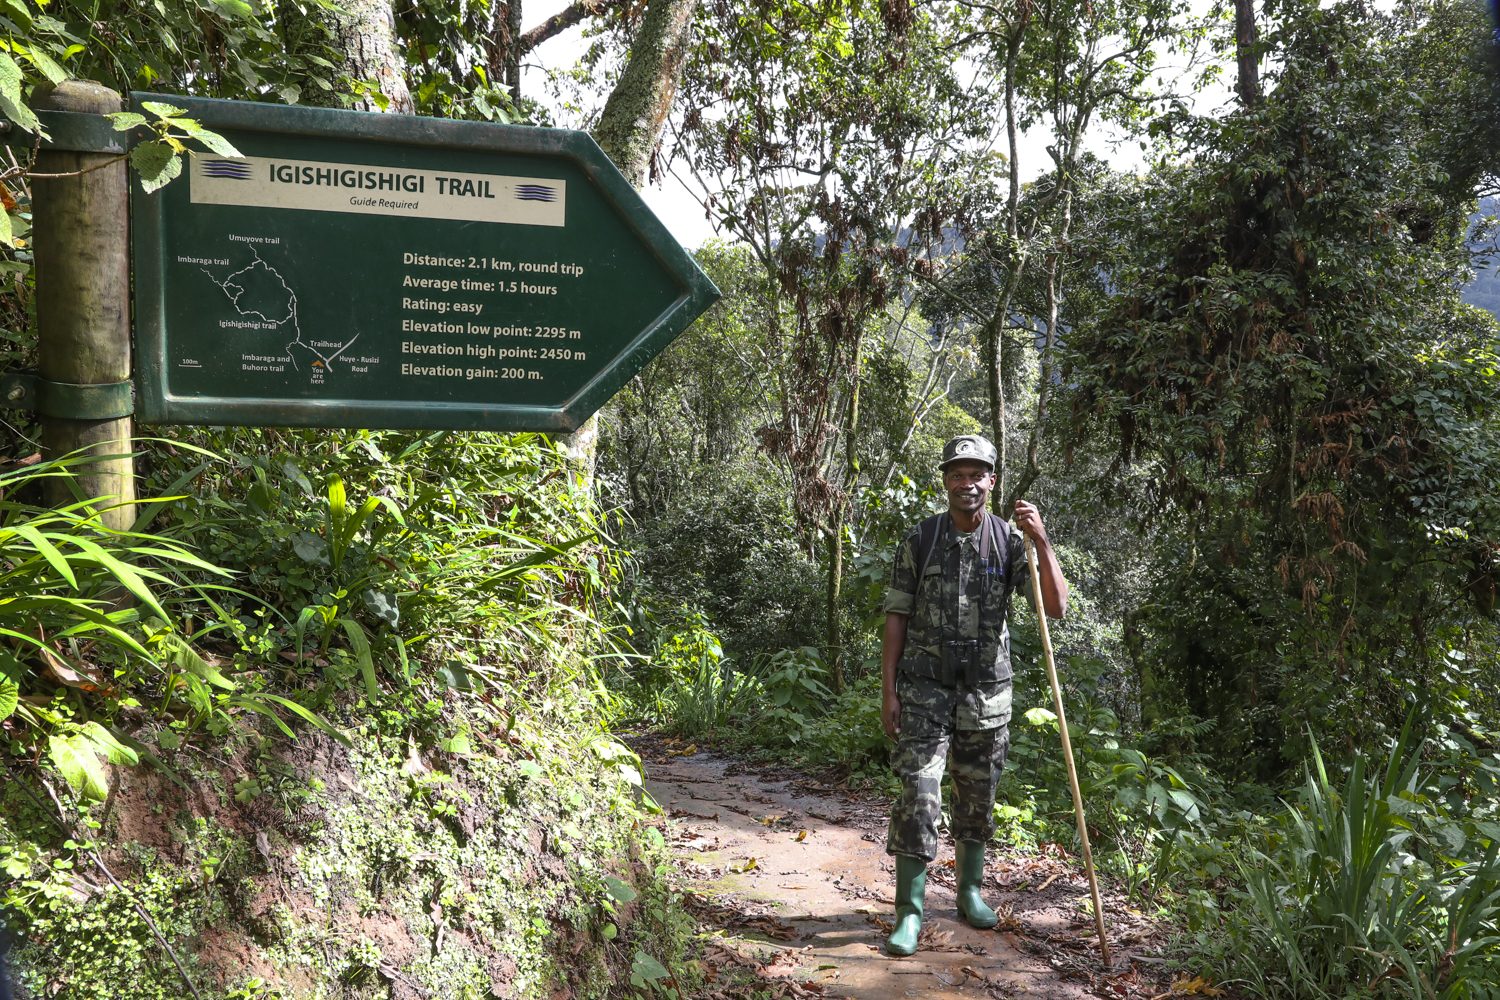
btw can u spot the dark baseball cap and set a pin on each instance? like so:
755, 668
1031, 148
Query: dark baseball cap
968, 448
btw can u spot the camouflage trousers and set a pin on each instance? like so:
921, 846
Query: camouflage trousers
922, 749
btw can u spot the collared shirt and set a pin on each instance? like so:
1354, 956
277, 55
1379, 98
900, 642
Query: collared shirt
983, 706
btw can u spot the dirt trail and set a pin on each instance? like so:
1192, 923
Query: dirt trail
797, 876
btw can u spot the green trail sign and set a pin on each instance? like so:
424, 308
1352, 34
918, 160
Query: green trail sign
368, 270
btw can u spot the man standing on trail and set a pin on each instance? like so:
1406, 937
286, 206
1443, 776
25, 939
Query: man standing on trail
945, 676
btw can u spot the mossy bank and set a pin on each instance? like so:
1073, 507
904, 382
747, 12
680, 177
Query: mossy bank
506, 865
359, 679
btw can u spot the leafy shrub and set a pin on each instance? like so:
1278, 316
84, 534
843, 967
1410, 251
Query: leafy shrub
848, 734
700, 691
86, 632
793, 693
1369, 888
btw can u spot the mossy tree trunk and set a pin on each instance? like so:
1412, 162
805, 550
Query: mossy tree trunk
630, 128
365, 31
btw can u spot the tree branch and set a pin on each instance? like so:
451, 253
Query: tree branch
563, 20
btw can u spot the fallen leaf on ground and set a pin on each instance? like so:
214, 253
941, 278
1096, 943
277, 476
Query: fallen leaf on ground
1197, 986
934, 939
728, 917
60, 672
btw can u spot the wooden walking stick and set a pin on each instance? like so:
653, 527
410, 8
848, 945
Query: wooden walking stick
1067, 744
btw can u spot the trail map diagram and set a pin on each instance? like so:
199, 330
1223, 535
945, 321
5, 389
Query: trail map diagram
261, 295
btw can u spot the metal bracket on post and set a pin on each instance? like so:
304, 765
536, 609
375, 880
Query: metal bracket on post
66, 400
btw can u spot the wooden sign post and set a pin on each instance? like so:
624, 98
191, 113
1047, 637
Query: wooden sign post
80, 204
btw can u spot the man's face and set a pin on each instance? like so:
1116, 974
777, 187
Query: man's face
968, 485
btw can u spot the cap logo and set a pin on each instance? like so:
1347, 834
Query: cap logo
964, 447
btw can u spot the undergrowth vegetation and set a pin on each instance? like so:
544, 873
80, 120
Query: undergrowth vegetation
336, 715
1244, 387
377, 658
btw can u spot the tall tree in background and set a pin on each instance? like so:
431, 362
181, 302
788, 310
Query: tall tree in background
830, 141
1066, 68
365, 32
1286, 353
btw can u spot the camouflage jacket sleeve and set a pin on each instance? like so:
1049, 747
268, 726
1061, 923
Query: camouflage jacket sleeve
901, 595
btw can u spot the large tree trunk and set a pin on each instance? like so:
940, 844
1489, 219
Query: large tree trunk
633, 118
1247, 52
511, 12
365, 30
838, 522
630, 127
994, 331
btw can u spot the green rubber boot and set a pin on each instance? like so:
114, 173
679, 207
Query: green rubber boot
971, 906
911, 889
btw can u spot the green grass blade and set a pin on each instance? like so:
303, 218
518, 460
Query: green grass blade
361, 646
48, 551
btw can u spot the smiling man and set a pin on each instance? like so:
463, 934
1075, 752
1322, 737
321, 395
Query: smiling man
946, 676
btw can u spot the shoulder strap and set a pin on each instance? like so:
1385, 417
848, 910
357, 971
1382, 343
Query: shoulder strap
1007, 533
928, 533
1000, 530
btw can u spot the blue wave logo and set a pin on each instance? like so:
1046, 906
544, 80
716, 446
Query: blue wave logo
535, 192
229, 170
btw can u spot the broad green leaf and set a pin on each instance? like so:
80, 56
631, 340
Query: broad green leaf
185, 657
163, 110
181, 556
11, 101
16, 11
401, 656
1187, 803
48, 551
250, 703
49, 67
1040, 716
10, 697
647, 968
310, 548
384, 607
619, 890
129, 578
11, 668
157, 163
235, 8
458, 743
361, 645
124, 121
216, 142
303, 713
338, 498
207, 137
7, 234
76, 760
115, 751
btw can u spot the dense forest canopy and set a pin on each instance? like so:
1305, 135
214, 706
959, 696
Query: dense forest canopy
1247, 372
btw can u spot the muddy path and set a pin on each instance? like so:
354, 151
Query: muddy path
793, 878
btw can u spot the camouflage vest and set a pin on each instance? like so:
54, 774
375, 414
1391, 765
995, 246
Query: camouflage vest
935, 646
